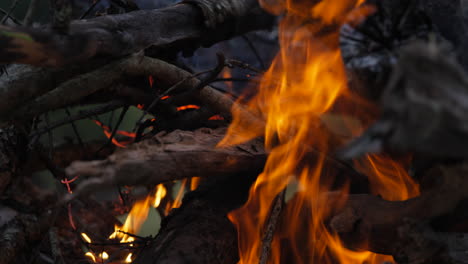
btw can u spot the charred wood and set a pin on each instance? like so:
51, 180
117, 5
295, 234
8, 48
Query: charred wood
369, 222
199, 231
423, 107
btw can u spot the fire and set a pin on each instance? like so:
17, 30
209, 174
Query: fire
194, 183
160, 194
134, 221
180, 194
307, 81
128, 259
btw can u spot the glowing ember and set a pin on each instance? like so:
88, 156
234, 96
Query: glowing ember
186, 107
160, 194
306, 81
107, 131
216, 117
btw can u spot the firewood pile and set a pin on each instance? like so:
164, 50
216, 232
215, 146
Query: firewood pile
339, 138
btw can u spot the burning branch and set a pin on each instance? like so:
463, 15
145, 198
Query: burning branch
169, 157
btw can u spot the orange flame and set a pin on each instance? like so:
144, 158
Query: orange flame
194, 183
134, 221
180, 194
307, 81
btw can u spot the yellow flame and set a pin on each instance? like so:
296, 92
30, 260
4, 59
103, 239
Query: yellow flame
160, 194
104, 255
180, 194
128, 259
91, 256
134, 221
86, 238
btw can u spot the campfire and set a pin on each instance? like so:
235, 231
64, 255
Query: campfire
248, 131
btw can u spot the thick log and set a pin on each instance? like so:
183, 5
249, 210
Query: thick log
127, 33
167, 157
371, 221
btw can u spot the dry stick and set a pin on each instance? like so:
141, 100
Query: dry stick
277, 207
120, 35
172, 74
72, 91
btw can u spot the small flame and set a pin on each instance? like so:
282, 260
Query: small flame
134, 221
151, 81
180, 194
194, 183
140, 106
128, 259
186, 107
165, 97
104, 255
91, 256
86, 238
160, 194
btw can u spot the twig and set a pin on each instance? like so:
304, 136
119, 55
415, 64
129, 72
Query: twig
85, 14
81, 115
277, 207
27, 21
243, 65
12, 17
8, 14
114, 131
72, 91
171, 89
75, 129
51, 136
255, 51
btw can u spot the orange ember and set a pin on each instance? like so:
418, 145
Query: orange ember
216, 117
107, 131
306, 86
186, 107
